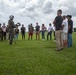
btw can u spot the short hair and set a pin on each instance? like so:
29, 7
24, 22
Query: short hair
50, 24
64, 16
36, 22
43, 24
60, 11
67, 15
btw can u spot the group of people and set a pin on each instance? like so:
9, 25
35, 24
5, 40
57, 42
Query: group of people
63, 30
3, 32
37, 31
8, 32
11, 31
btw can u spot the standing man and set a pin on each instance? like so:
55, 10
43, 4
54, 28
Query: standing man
43, 31
70, 30
50, 28
37, 31
11, 26
4, 31
31, 30
23, 29
58, 33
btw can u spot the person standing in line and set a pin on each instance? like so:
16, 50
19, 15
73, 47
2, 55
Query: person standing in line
43, 31
70, 30
58, 33
1, 31
37, 31
23, 29
16, 32
31, 30
65, 31
50, 28
4, 31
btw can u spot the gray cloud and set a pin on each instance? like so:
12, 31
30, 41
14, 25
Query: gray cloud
30, 8
47, 7
35, 9
68, 6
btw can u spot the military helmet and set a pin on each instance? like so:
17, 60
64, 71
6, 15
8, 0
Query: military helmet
11, 16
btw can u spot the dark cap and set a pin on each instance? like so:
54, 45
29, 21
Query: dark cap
70, 16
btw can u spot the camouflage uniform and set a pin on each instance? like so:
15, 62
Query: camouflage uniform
11, 30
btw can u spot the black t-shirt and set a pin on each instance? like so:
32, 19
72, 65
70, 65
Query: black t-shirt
23, 30
58, 23
17, 31
37, 28
70, 23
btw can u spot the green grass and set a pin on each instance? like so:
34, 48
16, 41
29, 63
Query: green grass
33, 57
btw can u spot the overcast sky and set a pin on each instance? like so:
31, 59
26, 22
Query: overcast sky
32, 11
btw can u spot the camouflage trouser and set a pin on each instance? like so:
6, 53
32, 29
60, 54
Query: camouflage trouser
11, 36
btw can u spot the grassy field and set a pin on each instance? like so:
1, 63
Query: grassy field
33, 57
